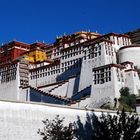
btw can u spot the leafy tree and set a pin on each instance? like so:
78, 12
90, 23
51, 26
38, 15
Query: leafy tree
127, 100
121, 126
55, 130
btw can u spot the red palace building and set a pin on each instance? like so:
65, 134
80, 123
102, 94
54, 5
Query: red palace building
12, 50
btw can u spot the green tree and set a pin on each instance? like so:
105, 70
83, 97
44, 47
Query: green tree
55, 130
127, 100
121, 126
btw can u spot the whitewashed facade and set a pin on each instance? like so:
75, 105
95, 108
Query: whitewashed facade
84, 73
21, 121
130, 53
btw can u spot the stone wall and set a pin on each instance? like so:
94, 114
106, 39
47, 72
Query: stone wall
21, 121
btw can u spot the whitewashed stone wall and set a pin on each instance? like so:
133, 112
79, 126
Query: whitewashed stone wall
11, 87
21, 121
131, 54
132, 81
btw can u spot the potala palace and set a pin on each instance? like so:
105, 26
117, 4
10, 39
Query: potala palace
84, 69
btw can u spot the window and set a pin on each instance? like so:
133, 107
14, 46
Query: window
95, 54
99, 47
134, 74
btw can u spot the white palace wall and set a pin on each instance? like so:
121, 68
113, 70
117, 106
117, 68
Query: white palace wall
10, 89
130, 54
21, 121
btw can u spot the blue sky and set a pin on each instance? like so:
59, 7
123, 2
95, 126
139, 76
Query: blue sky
38, 20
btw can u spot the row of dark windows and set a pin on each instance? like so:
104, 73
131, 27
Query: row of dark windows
69, 52
95, 49
57, 71
45, 74
71, 55
72, 50
120, 77
102, 81
76, 65
109, 50
7, 74
8, 71
8, 67
77, 51
125, 41
7, 79
53, 70
106, 74
45, 69
72, 62
92, 55
102, 75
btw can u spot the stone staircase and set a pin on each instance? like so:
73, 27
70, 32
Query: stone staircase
82, 94
51, 87
61, 89
81, 98
51, 97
